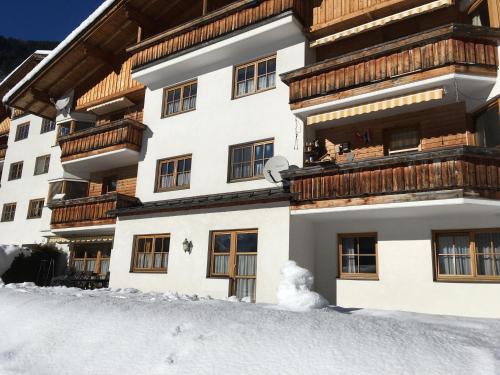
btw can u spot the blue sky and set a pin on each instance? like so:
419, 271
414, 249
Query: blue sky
43, 19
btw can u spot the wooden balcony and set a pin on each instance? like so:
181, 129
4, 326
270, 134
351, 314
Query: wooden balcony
446, 173
88, 211
438, 52
121, 134
222, 22
3, 151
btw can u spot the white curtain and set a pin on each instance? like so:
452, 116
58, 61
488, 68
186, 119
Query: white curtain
221, 264
349, 257
247, 265
245, 288
454, 255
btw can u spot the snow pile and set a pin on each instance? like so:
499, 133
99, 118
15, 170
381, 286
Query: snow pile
47, 331
294, 291
7, 255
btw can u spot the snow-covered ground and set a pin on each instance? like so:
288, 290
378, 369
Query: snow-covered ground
70, 331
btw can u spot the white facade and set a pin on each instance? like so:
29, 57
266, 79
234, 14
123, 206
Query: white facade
29, 186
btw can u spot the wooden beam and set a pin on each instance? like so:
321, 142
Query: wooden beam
105, 57
140, 19
40, 96
205, 7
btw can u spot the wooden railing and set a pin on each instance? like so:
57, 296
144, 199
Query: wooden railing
3, 151
125, 133
88, 211
226, 20
458, 45
473, 170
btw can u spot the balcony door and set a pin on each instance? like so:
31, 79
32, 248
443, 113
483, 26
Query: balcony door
234, 255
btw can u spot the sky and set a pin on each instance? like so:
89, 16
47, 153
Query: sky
50, 20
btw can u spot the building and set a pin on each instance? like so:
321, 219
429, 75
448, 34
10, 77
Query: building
387, 112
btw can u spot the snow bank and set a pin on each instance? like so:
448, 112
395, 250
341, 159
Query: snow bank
294, 291
7, 255
47, 331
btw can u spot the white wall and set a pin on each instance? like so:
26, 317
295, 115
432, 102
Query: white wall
187, 273
405, 263
22, 230
218, 122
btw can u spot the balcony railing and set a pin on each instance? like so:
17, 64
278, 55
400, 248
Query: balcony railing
474, 171
125, 133
214, 25
3, 151
465, 48
88, 211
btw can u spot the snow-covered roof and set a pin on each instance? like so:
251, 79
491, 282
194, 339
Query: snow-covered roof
52, 55
38, 52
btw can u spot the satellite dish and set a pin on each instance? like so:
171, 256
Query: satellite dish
64, 104
273, 168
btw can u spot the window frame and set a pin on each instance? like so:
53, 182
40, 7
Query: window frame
17, 163
24, 125
46, 165
12, 215
388, 133
136, 239
30, 215
255, 63
180, 86
474, 277
176, 160
357, 276
100, 257
45, 124
233, 254
264, 142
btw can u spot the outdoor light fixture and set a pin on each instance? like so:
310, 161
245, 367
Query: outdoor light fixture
187, 246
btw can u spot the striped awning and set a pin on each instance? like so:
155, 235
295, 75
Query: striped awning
420, 97
426, 8
71, 240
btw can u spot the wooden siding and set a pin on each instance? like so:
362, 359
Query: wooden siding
88, 211
408, 60
337, 14
227, 23
126, 181
120, 134
473, 170
5, 126
438, 127
3, 151
113, 85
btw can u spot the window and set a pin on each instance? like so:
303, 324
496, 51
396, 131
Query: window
233, 255
35, 208
109, 184
9, 211
16, 171
488, 126
22, 131
42, 164
403, 140
47, 126
247, 160
93, 258
151, 253
180, 98
70, 189
467, 255
255, 77
358, 256
173, 173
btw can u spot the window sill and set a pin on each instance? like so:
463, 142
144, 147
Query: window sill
468, 280
177, 113
361, 278
33, 218
245, 179
150, 272
172, 189
253, 93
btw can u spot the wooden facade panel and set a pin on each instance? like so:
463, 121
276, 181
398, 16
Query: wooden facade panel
126, 181
110, 86
431, 55
439, 127
450, 169
5, 126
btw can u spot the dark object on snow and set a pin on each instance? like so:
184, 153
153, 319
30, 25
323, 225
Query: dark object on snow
44, 263
81, 279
